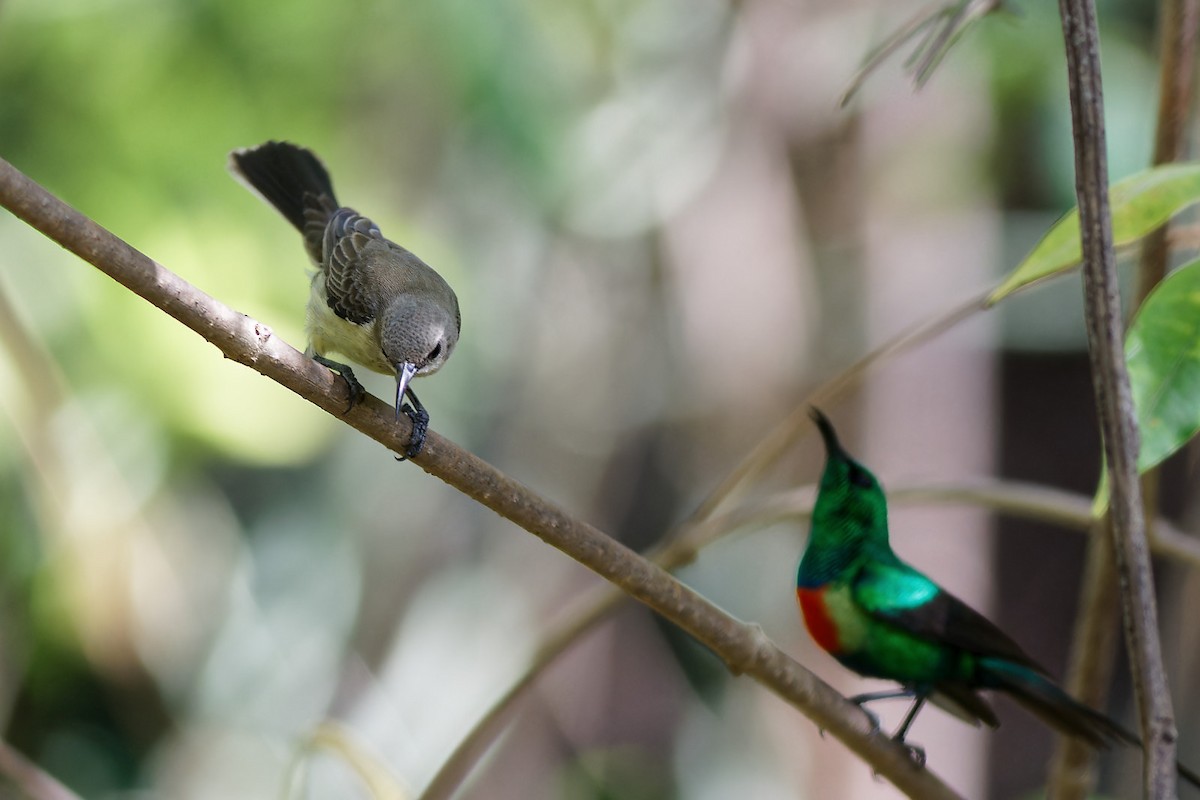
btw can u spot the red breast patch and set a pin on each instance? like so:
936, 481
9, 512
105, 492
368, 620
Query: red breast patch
817, 620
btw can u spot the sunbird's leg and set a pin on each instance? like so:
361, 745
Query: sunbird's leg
420, 424
888, 694
917, 753
353, 387
861, 700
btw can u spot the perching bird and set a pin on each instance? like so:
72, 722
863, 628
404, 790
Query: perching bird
371, 300
882, 618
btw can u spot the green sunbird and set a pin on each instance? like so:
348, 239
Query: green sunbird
882, 618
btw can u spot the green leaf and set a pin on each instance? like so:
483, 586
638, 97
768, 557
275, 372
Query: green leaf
1139, 204
1163, 352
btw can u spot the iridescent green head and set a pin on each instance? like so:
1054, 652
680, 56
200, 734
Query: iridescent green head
851, 508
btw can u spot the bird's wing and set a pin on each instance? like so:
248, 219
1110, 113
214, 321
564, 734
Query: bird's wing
901, 596
347, 275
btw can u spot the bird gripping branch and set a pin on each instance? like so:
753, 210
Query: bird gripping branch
882, 618
371, 300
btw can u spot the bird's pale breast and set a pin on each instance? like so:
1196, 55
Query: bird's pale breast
329, 333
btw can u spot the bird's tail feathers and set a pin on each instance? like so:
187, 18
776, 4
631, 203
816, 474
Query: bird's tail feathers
284, 173
1058, 709
1061, 711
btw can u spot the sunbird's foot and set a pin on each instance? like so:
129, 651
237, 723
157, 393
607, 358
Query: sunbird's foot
871, 715
861, 700
915, 752
420, 427
918, 694
354, 389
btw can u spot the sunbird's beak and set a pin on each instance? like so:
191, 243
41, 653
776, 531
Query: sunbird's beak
404, 374
832, 446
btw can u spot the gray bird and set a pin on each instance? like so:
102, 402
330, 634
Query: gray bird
371, 300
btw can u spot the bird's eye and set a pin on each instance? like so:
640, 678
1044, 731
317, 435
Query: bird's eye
860, 478
435, 352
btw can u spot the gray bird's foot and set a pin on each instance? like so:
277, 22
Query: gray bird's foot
420, 427
354, 389
420, 423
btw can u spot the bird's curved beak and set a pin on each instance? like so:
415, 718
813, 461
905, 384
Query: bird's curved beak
832, 446
404, 374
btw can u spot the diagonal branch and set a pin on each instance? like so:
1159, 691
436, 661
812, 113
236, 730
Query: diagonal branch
783, 437
1114, 401
743, 647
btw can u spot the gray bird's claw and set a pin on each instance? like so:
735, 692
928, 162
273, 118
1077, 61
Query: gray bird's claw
354, 389
420, 426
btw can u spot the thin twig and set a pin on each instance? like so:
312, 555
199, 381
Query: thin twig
1093, 655
743, 647
945, 36
898, 38
335, 739
1068, 510
585, 614
1093, 645
1093, 642
1114, 401
943, 23
783, 436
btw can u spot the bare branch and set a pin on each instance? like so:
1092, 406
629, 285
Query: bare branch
943, 23
1114, 402
335, 739
1089, 672
1093, 647
784, 436
743, 647
584, 615
1068, 510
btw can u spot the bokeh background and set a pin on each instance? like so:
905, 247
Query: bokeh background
663, 232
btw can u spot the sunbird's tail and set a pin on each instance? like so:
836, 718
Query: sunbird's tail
284, 174
1058, 709
1043, 697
